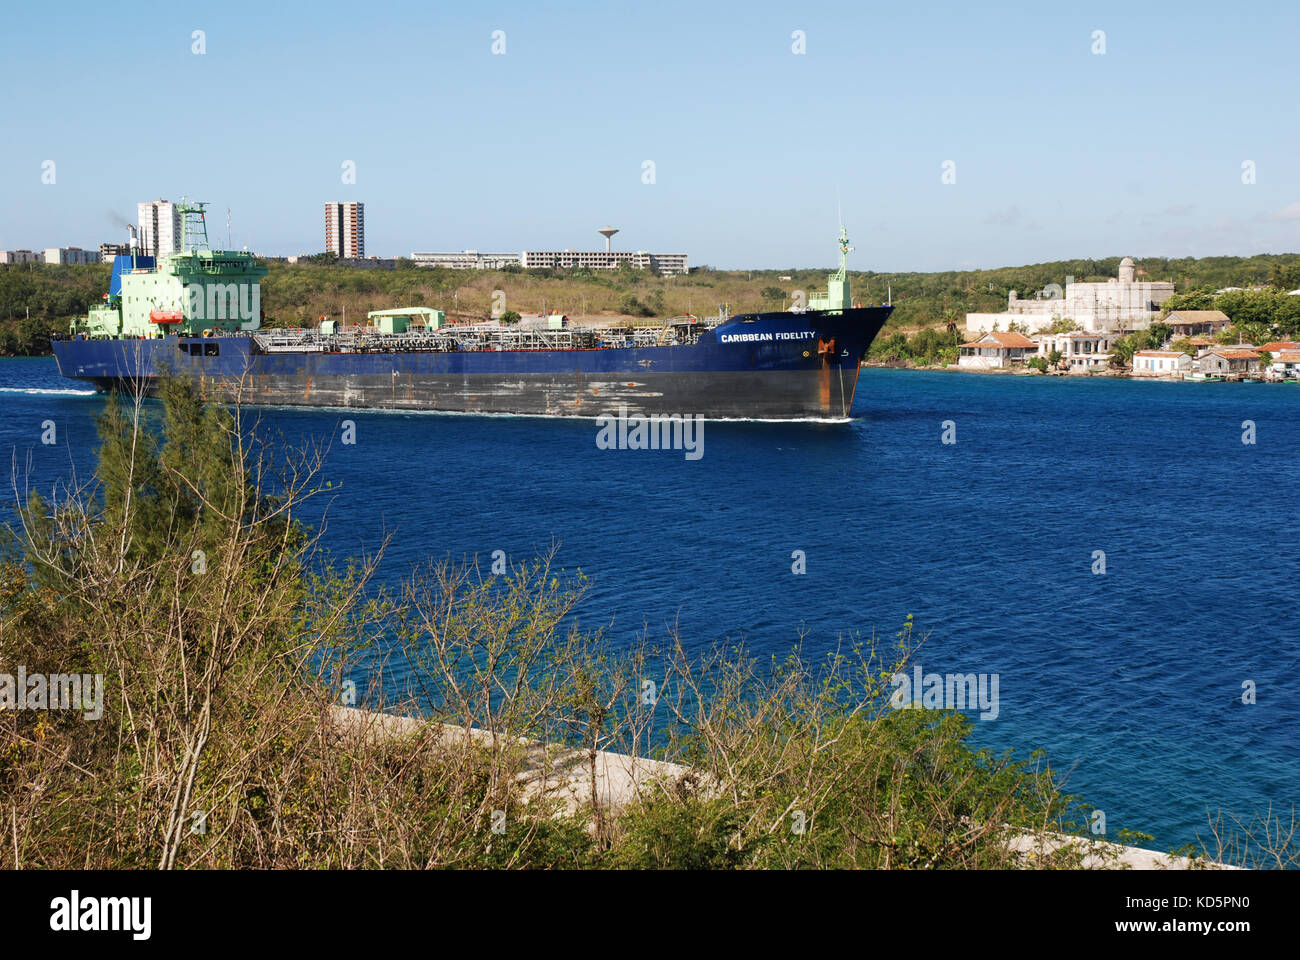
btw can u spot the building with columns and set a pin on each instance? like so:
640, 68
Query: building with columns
1081, 352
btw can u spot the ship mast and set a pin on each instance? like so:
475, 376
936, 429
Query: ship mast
837, 285
845, 249
193, 225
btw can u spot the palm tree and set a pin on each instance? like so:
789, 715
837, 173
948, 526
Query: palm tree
950, 324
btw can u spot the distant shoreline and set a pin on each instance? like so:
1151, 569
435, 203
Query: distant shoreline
953, 368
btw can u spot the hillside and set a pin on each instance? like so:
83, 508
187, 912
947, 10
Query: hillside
295, 295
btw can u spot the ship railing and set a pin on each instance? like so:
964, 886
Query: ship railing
456, 339
284, 340
482, 338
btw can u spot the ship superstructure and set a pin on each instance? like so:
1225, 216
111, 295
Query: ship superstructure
186, 293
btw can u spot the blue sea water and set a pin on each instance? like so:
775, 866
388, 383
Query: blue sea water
1132, 680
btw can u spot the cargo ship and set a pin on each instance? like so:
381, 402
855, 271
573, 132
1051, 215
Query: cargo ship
197, 313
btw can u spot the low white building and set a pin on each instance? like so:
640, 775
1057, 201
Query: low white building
996, 351
467, 260
665, 263
1161, 363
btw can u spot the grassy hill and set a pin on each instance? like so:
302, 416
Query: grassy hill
295, 295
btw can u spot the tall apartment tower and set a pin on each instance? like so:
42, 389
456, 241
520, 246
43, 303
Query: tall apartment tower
345, 229
160, 227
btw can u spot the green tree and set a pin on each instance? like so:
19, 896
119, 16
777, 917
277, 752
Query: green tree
630, 305
169, 492
1122, 350
1192, 300
1062, 325
1253, 332
890, 349
1284, 276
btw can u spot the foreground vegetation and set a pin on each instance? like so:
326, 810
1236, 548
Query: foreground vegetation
37, 300
227, 641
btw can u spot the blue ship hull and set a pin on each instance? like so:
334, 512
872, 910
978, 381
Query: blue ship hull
763, 366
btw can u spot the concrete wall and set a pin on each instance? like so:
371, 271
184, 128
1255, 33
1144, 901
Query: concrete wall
983, 322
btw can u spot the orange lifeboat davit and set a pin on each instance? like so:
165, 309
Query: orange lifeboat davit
166, 316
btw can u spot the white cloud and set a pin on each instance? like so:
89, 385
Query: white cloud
1290, 212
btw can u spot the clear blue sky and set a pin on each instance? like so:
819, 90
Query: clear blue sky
1059, 152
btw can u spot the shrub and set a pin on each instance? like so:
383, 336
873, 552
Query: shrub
222, 744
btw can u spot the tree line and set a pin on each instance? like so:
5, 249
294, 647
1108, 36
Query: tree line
37, 299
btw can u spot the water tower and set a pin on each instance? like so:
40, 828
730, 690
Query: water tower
607, 232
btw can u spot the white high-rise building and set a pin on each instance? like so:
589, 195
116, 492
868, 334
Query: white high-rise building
160, 227
345, 229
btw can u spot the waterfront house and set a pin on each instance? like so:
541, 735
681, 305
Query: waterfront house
1286, 365
1190, 323
1080, 352
1161, 363
1281, 346
996, 351
1225, 361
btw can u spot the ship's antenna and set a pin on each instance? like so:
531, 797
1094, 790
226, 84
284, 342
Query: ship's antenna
229, 245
